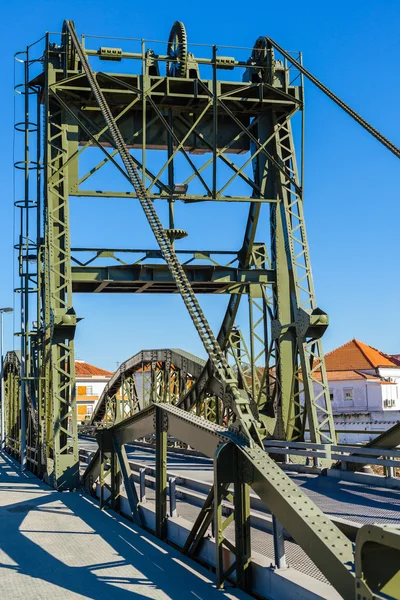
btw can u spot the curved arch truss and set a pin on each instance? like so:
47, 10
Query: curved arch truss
148, 377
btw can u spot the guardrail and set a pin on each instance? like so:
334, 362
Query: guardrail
194, 492
338, 452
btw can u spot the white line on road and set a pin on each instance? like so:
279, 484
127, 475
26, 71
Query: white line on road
131, 545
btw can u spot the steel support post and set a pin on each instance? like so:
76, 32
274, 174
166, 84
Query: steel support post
128, 480
309, 396
60, 321
142, 484
204, 519
115, 480
279, 543
102, 475
172, 496
161, 472
241, 494
219, 526
232, 555
282, 347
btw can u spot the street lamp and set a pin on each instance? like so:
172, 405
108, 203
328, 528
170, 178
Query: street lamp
2, 439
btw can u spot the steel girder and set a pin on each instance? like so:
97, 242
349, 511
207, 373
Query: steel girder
245, 467
59, 320
280, 373
378, 545
147, 377
228, 118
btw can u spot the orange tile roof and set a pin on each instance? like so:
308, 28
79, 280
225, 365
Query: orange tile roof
346, 375
356, 355
339, 375
395, 358
83, 368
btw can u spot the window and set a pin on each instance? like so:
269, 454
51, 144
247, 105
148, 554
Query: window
89, 390
81, 390
331, 395
89, 409
348, 393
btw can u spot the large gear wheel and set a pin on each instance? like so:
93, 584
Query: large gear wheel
68, 57
263, 56
177, 50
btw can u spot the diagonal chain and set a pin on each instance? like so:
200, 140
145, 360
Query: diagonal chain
239, 404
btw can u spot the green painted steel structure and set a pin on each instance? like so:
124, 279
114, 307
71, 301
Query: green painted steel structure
267, 379
241, 127
273, 382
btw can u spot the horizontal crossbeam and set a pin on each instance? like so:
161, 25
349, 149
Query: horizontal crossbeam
149, 279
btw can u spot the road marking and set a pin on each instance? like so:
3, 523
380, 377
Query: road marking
199, 597
127, 527
131, 545
153, 544
161, 569
193, 571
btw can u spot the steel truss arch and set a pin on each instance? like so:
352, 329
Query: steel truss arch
150, 376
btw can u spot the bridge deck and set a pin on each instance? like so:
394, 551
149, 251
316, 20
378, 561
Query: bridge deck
357, 502
60, 545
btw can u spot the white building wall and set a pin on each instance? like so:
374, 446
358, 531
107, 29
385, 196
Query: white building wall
97, 384
340, 403
366, 411
87, 402
390, 373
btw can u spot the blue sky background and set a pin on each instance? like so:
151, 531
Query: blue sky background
351, 198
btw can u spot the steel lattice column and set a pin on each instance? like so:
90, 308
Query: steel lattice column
60, 320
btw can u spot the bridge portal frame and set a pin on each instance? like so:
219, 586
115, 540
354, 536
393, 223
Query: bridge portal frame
218, 119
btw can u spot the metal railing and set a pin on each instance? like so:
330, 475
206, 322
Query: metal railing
387, 458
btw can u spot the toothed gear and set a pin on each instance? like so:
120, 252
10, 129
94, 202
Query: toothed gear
69, 53
263, 55
176, 234
177, 49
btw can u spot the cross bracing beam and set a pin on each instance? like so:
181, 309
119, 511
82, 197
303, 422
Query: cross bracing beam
329, 549
233, 399
149, 278
234, 136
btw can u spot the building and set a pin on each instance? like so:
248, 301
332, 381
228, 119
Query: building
364, 386
90, 382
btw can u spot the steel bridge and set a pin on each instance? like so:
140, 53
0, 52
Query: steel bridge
179, 132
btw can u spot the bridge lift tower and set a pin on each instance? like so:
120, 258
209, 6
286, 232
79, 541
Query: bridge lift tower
182, 125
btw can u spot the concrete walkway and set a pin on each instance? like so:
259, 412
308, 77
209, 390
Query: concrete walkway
60, 545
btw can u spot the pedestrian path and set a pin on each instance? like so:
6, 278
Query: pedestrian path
57, 545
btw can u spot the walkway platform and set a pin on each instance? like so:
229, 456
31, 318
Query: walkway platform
357, 502
60, 545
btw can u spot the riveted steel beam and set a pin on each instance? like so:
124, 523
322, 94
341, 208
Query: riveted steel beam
243, 466
150, 278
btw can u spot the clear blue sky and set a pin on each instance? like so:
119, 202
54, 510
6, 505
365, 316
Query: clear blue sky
352, 200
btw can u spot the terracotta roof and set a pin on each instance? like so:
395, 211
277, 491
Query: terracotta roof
394, 358
83, 368
346, 375
339, 375
356, 355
